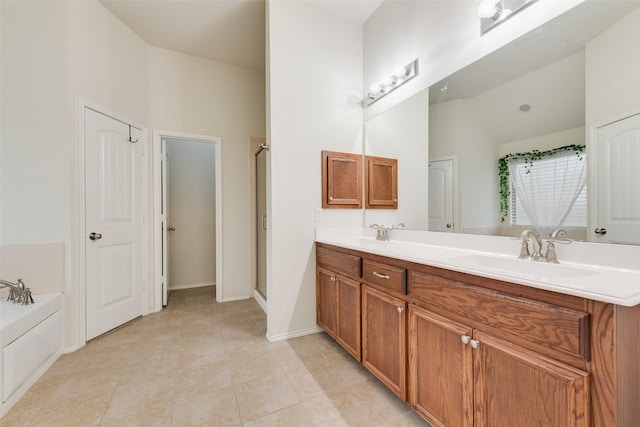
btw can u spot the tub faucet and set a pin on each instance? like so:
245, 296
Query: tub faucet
18, 293
537, 246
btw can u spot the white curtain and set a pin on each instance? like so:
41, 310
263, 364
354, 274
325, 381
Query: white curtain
548, 188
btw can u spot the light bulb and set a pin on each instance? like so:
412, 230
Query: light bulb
490, 9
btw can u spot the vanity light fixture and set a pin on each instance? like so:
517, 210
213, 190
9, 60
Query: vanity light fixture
494, 12
399, 77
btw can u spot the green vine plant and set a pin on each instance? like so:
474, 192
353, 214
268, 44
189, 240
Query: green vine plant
529, 158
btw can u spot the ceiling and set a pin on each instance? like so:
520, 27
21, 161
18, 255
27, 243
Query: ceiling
228, 31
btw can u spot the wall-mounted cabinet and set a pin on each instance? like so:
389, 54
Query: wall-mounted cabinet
341, 180
381, 179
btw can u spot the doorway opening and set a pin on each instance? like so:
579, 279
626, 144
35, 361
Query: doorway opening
188, 213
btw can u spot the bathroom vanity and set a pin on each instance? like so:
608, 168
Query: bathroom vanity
467, 343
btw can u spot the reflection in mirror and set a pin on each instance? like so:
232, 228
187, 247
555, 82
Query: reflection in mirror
401, 133
528, 95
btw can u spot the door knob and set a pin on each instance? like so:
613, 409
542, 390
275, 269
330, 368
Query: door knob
171, 228
601, 231
449, 226
95, 236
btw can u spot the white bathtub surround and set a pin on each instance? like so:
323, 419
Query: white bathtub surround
31, 341
602, 272
40, 266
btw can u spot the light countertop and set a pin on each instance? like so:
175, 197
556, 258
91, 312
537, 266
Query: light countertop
601, 272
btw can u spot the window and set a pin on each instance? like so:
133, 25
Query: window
552, 176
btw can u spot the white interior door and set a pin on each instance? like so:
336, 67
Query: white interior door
618, 182
114, 222
441, 197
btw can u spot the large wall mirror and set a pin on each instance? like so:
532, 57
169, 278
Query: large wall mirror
542, 91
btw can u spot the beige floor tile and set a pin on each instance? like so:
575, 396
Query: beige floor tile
200, 363
293, 416
410, 419
157, 417
382, 401
264, 395
139, 396
87, 411
217, 409
340, 407
200, 380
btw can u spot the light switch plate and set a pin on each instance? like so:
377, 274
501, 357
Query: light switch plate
318, 214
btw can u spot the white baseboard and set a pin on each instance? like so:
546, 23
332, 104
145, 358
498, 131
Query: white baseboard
296, 334
236, 298
260, 300
190, 285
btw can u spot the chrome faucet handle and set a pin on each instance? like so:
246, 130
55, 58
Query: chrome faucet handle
537, 244
551, 255
524, 249
397, 226
375, 226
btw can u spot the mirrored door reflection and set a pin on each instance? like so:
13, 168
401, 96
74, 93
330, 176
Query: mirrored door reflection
261, 221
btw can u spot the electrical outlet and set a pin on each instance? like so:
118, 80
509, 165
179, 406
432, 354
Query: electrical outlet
318, 214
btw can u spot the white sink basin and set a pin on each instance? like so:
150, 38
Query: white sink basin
521, 267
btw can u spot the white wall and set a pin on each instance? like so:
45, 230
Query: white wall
612, 87
455, 130
191, 190
315, 80
575, 136
199, 96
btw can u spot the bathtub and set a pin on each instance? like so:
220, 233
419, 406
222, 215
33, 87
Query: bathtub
31, 340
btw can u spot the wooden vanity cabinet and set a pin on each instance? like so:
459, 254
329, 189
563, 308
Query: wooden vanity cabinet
466, 350
384, 338
338, 298
463, 377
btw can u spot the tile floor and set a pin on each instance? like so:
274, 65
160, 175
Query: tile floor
202, 363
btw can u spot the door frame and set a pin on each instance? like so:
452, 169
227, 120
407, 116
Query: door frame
592, 171
454, 181
156, 148
81, 238
254, 146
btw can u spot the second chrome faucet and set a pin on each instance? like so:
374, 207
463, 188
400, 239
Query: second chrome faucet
550, 255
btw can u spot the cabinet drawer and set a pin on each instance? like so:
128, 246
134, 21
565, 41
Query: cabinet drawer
555, 327
387, 276
348, 264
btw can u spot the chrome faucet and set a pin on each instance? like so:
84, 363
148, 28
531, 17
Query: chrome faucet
382, 231
18, 293
537, 246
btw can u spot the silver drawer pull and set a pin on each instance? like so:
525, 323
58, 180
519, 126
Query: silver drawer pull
381, 276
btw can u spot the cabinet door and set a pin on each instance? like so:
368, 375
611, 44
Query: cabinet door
381, 183
384, 338
440, 370
341, 180
348, 333
516, 387
327, 301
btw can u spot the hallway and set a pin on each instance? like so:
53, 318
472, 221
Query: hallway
202, 363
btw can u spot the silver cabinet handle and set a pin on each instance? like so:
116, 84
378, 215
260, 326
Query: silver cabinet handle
381, 276
95, 236
465, 339
400, 310
330, 197
474, 343
333, 278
